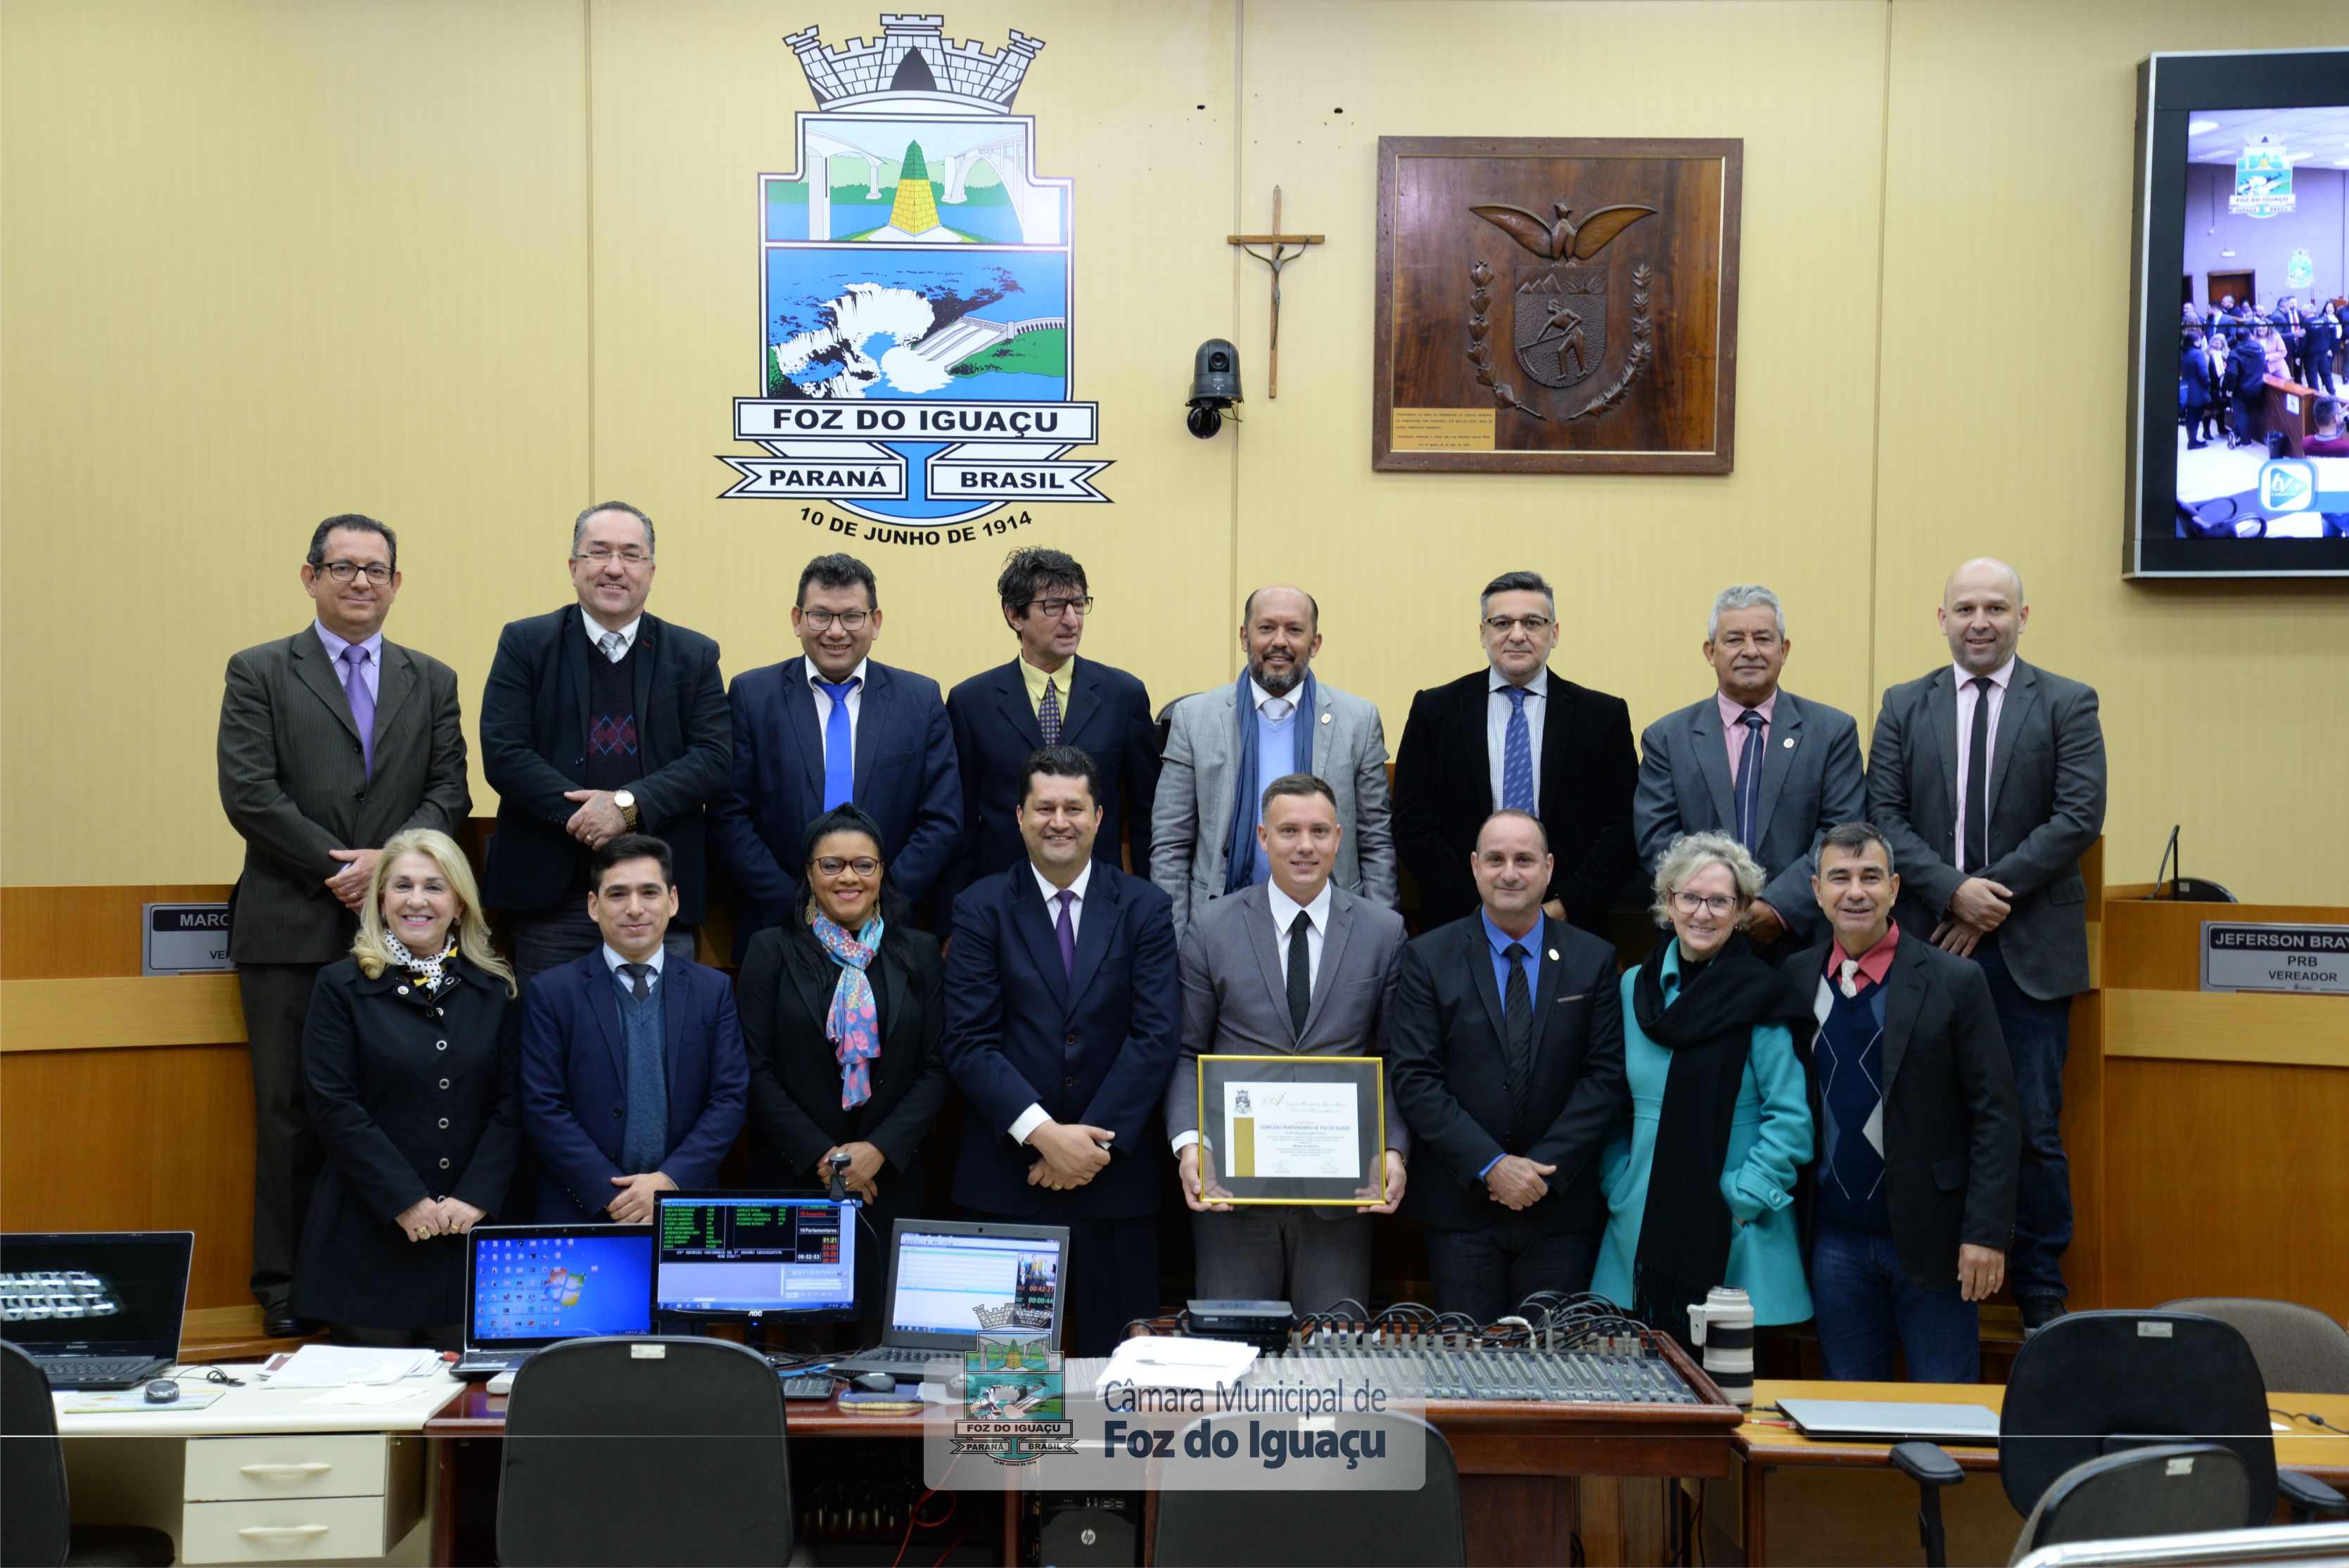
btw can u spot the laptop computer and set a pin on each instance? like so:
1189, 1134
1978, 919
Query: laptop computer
98, 1309
953, 1283
1875, 1421
528, 1286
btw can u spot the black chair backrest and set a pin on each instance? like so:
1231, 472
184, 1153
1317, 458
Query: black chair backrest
2172, 1489
2093, 1383
650, 1449
1318, 1529
36, 1519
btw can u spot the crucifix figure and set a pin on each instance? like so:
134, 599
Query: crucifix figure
1279, 257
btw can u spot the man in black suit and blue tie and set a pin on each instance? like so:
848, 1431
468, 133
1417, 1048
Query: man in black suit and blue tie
1048, 696
1773, 770
1063, 1019
835, 728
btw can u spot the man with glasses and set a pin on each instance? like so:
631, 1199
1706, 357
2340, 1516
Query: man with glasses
1048, 696
598, 720
834, 727
1770, 769
1515, 736
331, 741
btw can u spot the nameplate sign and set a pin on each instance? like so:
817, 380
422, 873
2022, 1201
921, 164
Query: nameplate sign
2306, 958
184, 938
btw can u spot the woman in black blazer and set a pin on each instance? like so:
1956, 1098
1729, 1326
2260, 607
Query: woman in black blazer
836, 1066
409, 1059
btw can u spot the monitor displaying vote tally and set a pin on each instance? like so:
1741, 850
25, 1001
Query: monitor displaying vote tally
753, 1255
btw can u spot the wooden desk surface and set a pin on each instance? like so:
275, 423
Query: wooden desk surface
476, 1412
1773, 1444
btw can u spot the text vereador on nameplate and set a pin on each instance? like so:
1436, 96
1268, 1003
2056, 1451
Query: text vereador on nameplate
182, 938
2238, 957
1443, 430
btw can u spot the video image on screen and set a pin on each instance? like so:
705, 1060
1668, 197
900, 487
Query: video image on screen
2261, 451
1006, 1287
754, 1256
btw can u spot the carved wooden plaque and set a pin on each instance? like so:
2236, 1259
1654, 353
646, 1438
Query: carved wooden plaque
1552, 306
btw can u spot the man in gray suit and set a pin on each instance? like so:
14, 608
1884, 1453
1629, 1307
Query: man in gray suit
331, 741
1293, 965
1771, 770
1987, 776
1223, 747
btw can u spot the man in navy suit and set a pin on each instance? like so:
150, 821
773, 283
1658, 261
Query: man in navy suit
1063, 1019
1045, 697
830, 728
632, 1076
598, 720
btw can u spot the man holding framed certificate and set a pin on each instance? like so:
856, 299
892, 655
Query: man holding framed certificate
1286, 987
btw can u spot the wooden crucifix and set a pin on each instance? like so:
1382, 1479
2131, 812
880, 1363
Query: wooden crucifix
1279, 257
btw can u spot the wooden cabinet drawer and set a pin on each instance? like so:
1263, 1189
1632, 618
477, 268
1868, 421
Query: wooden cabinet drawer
284, 1529
288, 1465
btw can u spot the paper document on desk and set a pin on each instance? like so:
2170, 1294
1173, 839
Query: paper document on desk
1176, 1361
364, 1394
89, 1402
333, 1365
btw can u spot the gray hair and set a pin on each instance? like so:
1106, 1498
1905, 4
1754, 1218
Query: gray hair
1518, 582
1690, 853
579, 527
1744, 596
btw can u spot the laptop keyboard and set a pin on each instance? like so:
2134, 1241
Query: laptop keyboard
98, 1371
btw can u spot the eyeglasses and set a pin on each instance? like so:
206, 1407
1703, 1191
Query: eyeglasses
1055, 608
376, 572
1690, 903
1534, 625
850, 620
832, 865
599, 556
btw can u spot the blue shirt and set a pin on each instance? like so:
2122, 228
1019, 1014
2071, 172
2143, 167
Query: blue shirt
1499, 941
1276, 749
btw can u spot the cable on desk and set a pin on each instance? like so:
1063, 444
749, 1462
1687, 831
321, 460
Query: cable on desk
2312, 1417
209, 1374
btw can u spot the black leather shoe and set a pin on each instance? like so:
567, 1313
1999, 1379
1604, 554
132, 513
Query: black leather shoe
2039, 1311
280, 1323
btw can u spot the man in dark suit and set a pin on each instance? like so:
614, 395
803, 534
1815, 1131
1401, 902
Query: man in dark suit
1062, 1008
833, 727
1770, 769
1048, 696
1912, 1196
331, 741
1506, 1047
598, 720
1987, 778
632, 1076
1292, 965
1515, 736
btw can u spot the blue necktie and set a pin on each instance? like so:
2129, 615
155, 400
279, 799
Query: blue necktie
838, 745
1518, 756
1749, 779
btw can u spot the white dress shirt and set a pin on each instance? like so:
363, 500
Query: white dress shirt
855, 699
597, 632
1967, 697
1036, 1115
612, 959
1497, 709
1284, 911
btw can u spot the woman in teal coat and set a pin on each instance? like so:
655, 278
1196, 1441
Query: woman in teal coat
1700, 1184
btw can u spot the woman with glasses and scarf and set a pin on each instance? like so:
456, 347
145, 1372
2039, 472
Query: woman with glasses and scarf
842, 1009
1700, 1184
409, 1061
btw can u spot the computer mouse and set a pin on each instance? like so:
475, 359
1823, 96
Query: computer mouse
875, 1382
162, 1391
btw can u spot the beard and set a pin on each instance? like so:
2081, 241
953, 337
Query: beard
1277, 683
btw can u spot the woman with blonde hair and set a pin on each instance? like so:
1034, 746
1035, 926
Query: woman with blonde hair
1700, 1184
410, 1060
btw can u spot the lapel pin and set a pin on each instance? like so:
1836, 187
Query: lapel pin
1789, 743
1553, 955
1325, 719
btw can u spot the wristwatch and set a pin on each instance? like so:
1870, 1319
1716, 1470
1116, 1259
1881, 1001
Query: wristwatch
626, 802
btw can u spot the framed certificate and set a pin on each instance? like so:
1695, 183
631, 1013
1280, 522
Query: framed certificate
1292, 1129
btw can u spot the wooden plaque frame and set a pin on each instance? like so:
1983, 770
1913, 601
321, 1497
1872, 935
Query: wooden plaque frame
1649, 378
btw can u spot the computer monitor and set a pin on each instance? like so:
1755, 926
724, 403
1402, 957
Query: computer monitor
753, 1255
94, 1293
951, 1280
531, 1286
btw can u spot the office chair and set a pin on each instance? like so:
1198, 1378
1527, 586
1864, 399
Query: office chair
644, 1450
2097, 1383
2172, 1489
1317, 1528
35, 1512
2299, 1349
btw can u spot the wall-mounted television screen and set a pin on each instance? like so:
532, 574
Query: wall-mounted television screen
2239, 417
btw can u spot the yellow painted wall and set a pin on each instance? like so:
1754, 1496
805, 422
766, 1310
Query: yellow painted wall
466, 264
